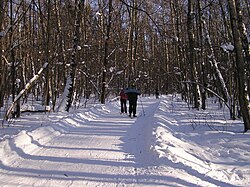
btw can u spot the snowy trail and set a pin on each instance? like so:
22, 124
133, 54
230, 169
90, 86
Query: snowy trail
99, 147
103, 151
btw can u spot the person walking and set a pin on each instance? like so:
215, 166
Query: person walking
132, 94
157, 93
123, 101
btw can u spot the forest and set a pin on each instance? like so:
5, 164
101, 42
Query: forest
61, 52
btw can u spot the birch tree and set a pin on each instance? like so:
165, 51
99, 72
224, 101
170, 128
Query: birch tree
24, 91
73, 62
214, 63
12, 47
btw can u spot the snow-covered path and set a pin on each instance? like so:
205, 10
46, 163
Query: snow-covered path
99, 147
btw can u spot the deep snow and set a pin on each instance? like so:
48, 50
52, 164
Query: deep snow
171, 145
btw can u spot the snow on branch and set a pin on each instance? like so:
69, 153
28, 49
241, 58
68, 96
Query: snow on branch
227, 47
25, 90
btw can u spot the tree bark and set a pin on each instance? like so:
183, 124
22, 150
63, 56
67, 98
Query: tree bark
245, 43
190, 27
13, 61
106, 48
60, 77
27, 87
47, 57
2, 62
240, 65
214, 65
73, 63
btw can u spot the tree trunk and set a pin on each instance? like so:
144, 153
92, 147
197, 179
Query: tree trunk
232, 76
243, 99
16, 112
73, 63
27, 87
201, 59
2, 62
190, 27
105, 60
131, 43
47, 58
44, 46
245, 43
214, 65
175, 15
60, 71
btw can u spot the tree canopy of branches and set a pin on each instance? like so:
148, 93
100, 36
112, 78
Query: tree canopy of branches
195, 48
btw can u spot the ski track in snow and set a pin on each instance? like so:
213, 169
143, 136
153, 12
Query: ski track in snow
100, 147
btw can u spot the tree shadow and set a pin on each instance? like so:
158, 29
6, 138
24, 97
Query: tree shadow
137, 142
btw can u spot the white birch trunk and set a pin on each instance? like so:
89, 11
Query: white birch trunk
214, 64
71, 77
27, 87
61, 106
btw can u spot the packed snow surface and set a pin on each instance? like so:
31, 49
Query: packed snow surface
168, 144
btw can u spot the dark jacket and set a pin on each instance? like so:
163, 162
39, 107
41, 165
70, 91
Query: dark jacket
132, 94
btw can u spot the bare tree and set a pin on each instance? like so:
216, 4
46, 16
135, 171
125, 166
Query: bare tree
24, 91
106, 50
47, 55
12, 47
241, 73
245, 42
190, 27
214, 64
2, 62
73, 61
158, 44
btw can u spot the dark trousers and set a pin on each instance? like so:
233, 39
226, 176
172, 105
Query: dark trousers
132, 107
123, 105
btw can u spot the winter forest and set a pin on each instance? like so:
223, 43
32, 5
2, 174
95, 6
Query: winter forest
77, 48
63, 64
